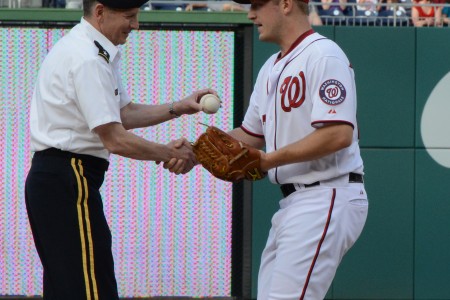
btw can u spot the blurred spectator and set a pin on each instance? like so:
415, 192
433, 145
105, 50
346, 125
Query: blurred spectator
438, 10
196, 6
446, 14
74, 4
54, 3
217, 6
232, 6
166, 5
331, 6
423, 14
332, 12
365, 14
366, 7
313, 17
392, 13
390, 7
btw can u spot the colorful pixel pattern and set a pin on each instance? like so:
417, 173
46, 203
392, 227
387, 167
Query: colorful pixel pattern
171, 234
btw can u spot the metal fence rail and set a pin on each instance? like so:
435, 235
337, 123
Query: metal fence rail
20, 3
351, 13
368, 14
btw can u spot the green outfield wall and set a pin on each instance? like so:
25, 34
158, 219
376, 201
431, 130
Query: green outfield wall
403, 113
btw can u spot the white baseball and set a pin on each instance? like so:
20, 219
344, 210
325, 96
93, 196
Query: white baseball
210, 103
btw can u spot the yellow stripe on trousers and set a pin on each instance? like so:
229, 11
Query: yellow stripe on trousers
82, 205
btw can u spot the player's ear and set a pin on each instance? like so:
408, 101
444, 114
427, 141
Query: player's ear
287, 5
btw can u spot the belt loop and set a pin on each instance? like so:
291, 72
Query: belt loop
355, 178
287, 189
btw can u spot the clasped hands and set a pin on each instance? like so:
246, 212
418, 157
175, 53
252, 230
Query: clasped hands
183, 159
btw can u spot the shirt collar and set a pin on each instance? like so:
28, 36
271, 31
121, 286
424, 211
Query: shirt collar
96, 35
297, 42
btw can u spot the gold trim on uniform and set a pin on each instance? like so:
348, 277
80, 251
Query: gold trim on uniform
85, 229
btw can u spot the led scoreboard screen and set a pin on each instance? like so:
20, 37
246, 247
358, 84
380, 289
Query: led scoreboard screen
171, 234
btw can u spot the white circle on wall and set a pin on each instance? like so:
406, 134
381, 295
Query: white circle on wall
435, 123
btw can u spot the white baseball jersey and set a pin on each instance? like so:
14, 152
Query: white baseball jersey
76, 91
311, 85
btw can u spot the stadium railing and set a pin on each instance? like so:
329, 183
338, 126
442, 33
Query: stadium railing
354, 14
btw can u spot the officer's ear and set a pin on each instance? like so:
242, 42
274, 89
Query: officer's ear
99, 11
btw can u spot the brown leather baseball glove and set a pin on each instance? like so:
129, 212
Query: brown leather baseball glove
227, 158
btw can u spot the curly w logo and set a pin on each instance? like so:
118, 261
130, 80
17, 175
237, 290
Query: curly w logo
293, 92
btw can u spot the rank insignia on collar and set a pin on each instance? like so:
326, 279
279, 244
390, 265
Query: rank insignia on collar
102, 52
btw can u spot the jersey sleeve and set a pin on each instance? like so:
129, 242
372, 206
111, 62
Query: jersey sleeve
124, 97
333, 92
253, 123
98, 95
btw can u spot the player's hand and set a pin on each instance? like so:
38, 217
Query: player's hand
173, 161
183, 159
191, 104
171, 164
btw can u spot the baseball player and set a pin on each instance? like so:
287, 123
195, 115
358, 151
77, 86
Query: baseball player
80, 113
303, 110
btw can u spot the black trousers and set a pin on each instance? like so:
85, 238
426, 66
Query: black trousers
70, 231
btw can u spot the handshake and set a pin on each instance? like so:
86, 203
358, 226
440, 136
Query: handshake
218, 152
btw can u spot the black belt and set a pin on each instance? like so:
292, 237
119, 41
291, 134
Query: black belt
289, 188
96, 162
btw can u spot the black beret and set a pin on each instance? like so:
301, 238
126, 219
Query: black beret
123, 4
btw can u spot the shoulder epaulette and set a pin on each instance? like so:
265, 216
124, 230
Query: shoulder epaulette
102, 52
